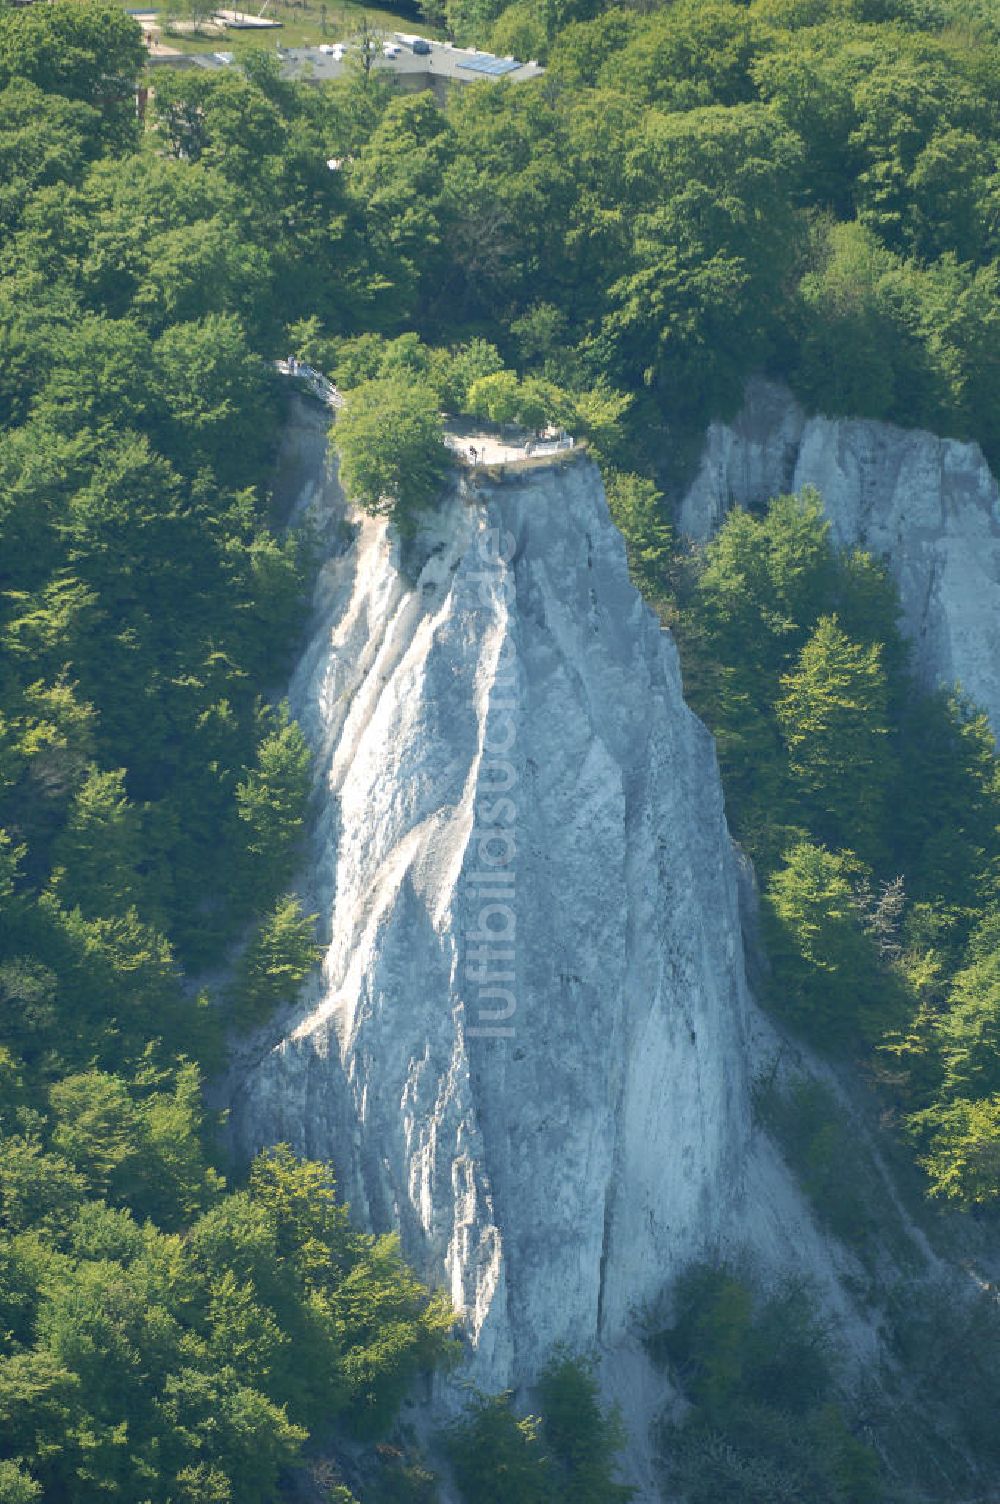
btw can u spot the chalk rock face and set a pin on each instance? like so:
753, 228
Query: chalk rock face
527, 1050
929, 506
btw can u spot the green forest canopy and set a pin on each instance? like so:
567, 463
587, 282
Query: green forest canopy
691, 192
872, 812
171, 1328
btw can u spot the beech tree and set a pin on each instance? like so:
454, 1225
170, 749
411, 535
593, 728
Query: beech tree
280, 955
961, 1150
825, 974
270, 802
498, 1457
100, 848
390, 441
495, 397
637, 508
833, 715
91, 52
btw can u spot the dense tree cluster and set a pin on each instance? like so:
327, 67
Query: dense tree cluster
161, 1337
157, 1367
696, 190
777, 1410
769, 1416
165, 1335
873, 813
691, 192
565, 1453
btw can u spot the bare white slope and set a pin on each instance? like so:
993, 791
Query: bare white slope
930, 506
556, 1146
556, 1176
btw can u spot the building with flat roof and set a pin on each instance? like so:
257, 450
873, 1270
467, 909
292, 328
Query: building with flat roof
441, 67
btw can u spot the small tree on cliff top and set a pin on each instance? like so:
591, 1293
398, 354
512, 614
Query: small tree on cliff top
390, 442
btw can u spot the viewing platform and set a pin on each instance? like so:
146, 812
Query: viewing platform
486, 452
320, 386
492, 451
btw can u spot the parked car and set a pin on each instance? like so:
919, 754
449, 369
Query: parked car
390, 49
421, 46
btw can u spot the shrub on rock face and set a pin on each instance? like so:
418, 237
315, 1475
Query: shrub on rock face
566, 1455
637, 509
390, 441
498, 1457
275, 963
825, 974
584, 1440
962, 1157
769, 1416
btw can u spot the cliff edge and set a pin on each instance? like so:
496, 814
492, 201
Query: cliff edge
929, 506
527, 1050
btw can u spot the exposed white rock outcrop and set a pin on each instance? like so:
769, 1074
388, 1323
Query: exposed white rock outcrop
555, 1113
930, 506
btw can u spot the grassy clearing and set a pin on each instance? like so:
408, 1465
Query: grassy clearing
302, 25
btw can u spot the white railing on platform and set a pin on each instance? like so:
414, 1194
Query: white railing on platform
471, 448
320, 386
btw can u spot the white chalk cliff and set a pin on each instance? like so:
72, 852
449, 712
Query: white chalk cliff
556, 1115
929, 506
